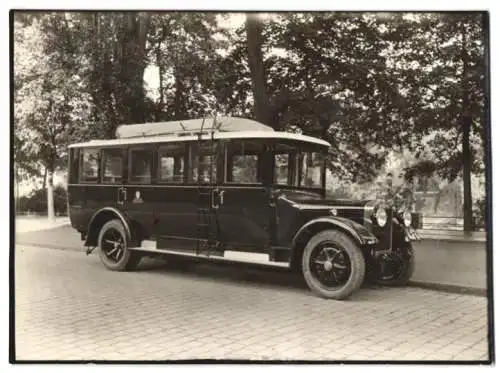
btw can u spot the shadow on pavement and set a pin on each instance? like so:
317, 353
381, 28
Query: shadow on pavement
440, 265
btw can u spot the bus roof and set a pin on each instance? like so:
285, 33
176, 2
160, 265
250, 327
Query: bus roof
188, 130
218, 135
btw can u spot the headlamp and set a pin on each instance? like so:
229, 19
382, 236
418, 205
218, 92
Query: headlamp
381, 217
407, 218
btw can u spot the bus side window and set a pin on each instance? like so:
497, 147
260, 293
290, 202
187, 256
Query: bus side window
171, 163
112, 165
201, 160
242, 165
89, 170
140, 166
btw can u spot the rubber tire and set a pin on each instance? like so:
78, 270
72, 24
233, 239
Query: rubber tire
355, 256
405, 276
129, 259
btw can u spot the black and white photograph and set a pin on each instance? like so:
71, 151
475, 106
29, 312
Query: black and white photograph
194, 186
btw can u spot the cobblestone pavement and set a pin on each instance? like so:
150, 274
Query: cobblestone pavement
69, 307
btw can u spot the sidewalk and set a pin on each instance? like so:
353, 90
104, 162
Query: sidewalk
456, 266
25, 224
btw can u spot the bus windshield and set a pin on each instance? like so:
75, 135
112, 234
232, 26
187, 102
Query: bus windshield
299, 167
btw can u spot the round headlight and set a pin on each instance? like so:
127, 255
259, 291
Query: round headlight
381, 216
407, 218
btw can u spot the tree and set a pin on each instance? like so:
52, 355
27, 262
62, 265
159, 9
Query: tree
184, 48
113, 59
370, 84
452, 111
47, 94
253, 29
327, 78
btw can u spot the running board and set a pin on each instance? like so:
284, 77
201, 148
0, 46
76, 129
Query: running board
229, 256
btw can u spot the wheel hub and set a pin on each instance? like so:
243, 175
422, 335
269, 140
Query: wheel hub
328, 265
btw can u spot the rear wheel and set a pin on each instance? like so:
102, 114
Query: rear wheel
333, 265
113, 247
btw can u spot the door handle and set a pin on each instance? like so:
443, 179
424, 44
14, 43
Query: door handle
214, 194
119, 195
122, 195
220, 194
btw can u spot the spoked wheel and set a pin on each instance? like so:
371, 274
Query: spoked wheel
397, 268
333, 265
113, 245
330, 264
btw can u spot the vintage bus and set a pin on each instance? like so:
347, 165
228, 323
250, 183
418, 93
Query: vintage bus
207, 186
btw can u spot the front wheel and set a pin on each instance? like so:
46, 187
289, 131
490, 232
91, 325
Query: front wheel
333, 265
397, 268
113, 247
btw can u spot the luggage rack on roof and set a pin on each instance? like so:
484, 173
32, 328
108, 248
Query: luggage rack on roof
190, 127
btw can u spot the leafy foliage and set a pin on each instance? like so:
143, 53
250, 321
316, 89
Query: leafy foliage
370, 83
36, 202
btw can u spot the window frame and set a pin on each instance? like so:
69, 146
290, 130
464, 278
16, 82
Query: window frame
81, 178
73, 165
185, 157
259, 165
292, 167
102, 169
300, 169
152, 153
294, 170
189, 169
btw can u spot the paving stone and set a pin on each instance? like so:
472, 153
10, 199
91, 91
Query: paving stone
70, 307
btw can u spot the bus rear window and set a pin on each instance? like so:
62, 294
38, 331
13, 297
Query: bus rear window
73, 165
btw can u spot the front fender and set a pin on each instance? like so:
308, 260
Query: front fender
358, 232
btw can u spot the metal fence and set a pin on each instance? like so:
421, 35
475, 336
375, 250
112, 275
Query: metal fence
442, 222
446, 223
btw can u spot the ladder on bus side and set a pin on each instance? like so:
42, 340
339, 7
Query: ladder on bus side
207, 222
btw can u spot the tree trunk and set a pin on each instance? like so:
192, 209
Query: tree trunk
466, 128
132, 56
256, 63
44, 183
50, 195
17, 189
159, 62
484, 130
467, 166
178, 111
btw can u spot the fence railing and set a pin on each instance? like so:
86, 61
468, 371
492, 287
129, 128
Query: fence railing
442, 222
446, 222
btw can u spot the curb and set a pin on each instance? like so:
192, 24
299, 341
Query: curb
447, 288
70, 248
450, 288
40, 229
